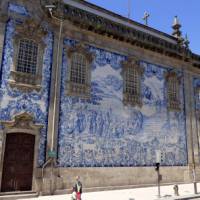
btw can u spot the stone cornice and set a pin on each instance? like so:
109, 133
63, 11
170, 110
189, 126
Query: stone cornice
81, 49
196, 60
100, 25
31, 29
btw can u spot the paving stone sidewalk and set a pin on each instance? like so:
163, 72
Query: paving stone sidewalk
186, 191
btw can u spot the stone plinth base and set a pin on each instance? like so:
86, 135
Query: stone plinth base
96, 179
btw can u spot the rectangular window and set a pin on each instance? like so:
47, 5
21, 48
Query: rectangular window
173, 93
27, 56
79, 73
132, 73
78, 69
132, 80
173, 90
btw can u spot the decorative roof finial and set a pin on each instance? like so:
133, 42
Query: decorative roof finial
176, 26
186, 42
177, 32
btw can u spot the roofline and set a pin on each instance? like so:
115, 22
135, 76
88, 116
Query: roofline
93, 18
129, 22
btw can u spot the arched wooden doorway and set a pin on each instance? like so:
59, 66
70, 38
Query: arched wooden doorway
18, 162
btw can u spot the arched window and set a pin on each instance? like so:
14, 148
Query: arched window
132, 73
79, 72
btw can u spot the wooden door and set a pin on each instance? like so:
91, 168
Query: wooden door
18, 162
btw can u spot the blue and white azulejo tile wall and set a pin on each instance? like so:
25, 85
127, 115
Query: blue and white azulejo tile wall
13, 101
102, 132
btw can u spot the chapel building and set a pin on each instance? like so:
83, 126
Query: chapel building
85, 91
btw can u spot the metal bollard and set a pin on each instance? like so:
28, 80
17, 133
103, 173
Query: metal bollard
176, 190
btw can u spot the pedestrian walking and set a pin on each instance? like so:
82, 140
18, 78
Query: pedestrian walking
78, 188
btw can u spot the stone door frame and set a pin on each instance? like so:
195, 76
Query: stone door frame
21, 123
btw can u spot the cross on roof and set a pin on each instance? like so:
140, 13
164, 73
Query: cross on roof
145, 18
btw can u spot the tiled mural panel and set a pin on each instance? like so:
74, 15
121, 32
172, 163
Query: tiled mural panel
102, 132
13, 101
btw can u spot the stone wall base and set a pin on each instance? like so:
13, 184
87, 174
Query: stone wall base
97, 179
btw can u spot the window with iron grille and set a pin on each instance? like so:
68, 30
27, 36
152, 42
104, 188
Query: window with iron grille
79, 72
173, 88
27, 56
131, 81
29, 46
78, 68
132, 73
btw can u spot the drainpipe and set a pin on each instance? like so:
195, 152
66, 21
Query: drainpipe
55, 100
52, 160
56, 74
43, 166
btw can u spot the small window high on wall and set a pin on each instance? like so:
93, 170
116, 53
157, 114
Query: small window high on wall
29, 46
173, 91
132, 73
79, 71
132, 81
27, 56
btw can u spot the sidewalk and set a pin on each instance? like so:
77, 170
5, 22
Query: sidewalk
147, 193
